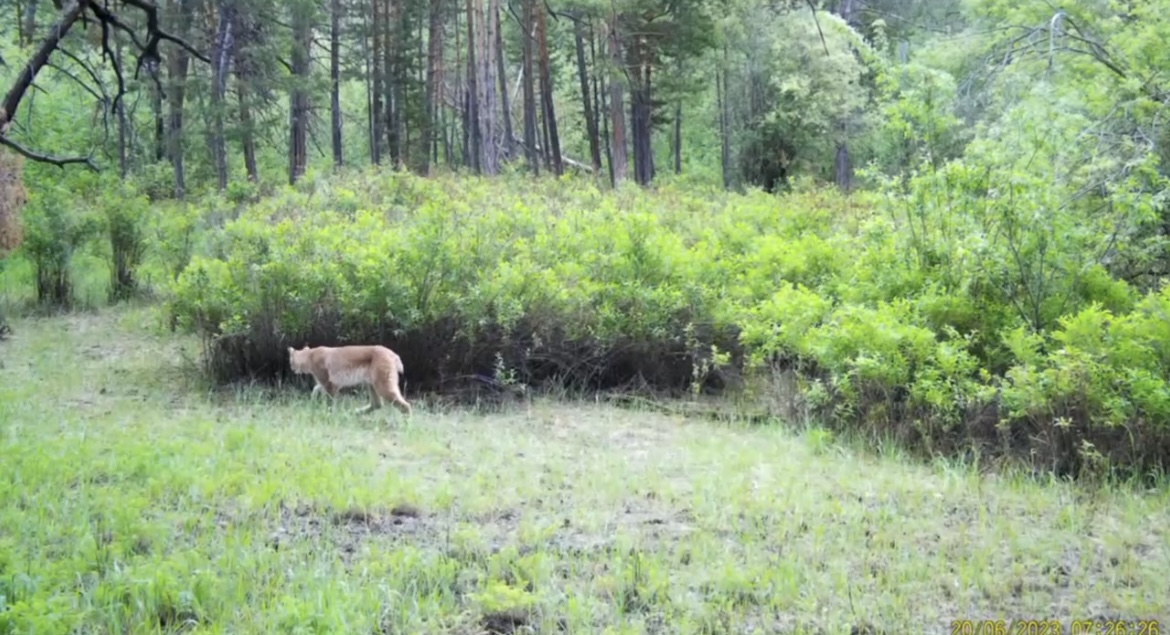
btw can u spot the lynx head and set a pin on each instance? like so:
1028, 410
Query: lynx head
298, 360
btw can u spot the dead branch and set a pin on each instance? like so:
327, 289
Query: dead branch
45, 158
70, 13
812, 9
77, 80
84, 66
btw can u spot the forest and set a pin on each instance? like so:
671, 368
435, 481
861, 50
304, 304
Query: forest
943, 221
718, 316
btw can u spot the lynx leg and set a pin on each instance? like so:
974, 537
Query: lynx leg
395, 396
375, 401
326, 387
390, 391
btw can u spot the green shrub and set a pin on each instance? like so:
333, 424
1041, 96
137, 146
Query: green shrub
473, 273
125, 212
915, 334
55, 229
1101, 392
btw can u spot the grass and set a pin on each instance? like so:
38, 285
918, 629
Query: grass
133, 500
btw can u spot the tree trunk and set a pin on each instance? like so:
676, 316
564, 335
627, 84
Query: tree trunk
299, 97
489, 139
640, 112
546, 94
586, 102
245, 66
434, 83
601, 114
249, 134
678, 137
178, 63
156, 109
471, 112
29, 71
221, 64
617, 106
842, 168
377, 74
120, 113
335, 80
724, 121
528, 70
391, 44
459, 126
507, 151
245, 73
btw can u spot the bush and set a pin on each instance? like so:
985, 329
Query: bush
910, 333
56, 229
125, 213
473, 272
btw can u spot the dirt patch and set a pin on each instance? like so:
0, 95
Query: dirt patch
348, 528
503, 622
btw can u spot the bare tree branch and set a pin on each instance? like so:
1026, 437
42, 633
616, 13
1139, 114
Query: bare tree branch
71, 12
86, 67
77, 80
60, 162
813, 10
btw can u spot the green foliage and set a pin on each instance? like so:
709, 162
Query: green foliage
905, 312
126, 213
54, 232
1103, 368
1017, 197
134, 501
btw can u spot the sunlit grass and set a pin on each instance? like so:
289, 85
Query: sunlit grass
133, 500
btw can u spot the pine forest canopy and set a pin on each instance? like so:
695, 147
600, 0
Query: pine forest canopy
739, 92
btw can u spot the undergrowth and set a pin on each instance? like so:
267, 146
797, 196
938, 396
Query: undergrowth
893, 318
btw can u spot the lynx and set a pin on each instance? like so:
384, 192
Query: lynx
343, 366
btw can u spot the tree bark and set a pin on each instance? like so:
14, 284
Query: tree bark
156, 109
123, 128
546, 95
434, 83
335, 81
586, 102
178, 63
488, 104
617, 106
391, 79
221, 64
377, 74
678, 137
248, 133
245, 72
299, 97
724, 120
507, 151
471, 112
842, 166
640, 112
528, 71
601, 115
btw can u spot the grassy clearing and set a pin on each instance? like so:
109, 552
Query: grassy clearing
133, 501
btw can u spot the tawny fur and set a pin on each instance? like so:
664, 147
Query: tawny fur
340, 367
